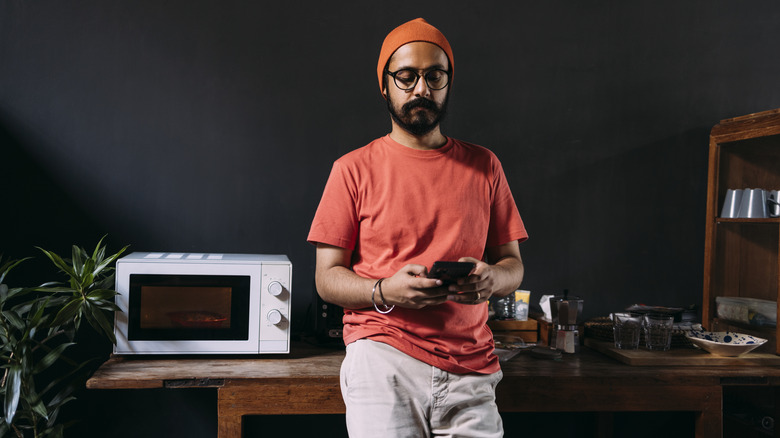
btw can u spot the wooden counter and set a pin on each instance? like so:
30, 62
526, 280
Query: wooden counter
308, 381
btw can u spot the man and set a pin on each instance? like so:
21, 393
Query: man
419, 356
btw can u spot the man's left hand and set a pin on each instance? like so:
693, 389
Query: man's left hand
478, 287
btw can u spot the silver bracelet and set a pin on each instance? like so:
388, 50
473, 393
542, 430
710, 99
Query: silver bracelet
378, 285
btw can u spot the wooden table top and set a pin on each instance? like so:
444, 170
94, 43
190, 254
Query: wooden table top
307, 362
591, 365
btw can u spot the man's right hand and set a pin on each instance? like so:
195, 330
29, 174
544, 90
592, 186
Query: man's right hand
410, 288
338, 284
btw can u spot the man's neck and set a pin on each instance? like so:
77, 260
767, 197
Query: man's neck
432, 140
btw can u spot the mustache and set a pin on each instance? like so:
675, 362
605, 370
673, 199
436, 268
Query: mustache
420, 102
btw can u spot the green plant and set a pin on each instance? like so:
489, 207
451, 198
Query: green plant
37, 326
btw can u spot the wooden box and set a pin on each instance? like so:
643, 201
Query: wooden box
528, 331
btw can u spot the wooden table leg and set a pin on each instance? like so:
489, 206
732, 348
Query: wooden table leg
229, 426
238, 398
709, 420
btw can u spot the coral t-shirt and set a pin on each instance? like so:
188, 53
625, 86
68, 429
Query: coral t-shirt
393, 205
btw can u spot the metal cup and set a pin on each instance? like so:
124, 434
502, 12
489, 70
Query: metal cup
505, 307
732, 203
773, 203
753, 204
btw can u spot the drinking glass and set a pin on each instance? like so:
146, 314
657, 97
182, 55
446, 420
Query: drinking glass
658, 331
626, 327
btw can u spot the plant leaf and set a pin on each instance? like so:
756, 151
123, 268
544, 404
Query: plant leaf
13, 392
98, 295
38, 315
40, 408
77, 261
106, 282
100, 250
14, 319
98, 320
29, 307
6, 268
69, 312
17, 291
108, 305
108, 261
54, 432
51, 357
59, 262
50, 283
71, 376
55, 290
99, 255
87, 280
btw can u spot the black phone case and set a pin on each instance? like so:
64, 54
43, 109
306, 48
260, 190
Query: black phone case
449, 272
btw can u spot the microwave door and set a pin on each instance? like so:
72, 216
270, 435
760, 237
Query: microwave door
188, 308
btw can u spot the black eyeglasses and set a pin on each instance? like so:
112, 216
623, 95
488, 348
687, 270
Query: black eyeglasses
406, 78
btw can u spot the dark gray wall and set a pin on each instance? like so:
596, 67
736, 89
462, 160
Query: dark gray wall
211, 125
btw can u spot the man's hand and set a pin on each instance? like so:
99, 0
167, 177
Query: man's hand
486, 280
410, 287
478, 287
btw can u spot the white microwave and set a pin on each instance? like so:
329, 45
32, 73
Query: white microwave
196, 303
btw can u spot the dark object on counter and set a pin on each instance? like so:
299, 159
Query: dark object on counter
327, 323
680, 314
546, 353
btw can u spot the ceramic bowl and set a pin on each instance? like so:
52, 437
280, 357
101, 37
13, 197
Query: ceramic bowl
729, 344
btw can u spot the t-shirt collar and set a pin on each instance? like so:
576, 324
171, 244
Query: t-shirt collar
418, 152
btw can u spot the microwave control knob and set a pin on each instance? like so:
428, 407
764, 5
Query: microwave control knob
275, 317
275, 288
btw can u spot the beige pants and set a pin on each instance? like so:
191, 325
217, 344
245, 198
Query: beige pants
389, 394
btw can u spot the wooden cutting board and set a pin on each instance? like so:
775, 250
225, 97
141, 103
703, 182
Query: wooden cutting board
678, 356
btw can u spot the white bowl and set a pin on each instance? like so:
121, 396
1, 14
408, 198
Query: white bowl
729, 344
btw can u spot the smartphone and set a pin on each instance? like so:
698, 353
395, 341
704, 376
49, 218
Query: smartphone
450, 272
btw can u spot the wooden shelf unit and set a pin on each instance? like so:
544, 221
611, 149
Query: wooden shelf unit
741, 255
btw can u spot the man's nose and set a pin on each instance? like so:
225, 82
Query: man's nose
421, 88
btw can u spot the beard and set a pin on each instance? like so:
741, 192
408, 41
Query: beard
418, 122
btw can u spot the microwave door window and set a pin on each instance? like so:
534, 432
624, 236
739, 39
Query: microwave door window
189, 307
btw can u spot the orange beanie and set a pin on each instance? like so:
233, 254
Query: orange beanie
411, 31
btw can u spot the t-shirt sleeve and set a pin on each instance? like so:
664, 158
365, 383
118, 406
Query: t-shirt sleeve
505, 222
335, 222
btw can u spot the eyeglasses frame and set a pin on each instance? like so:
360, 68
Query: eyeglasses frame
418, 76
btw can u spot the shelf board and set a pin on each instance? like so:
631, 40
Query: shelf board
742, 220
755, 125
